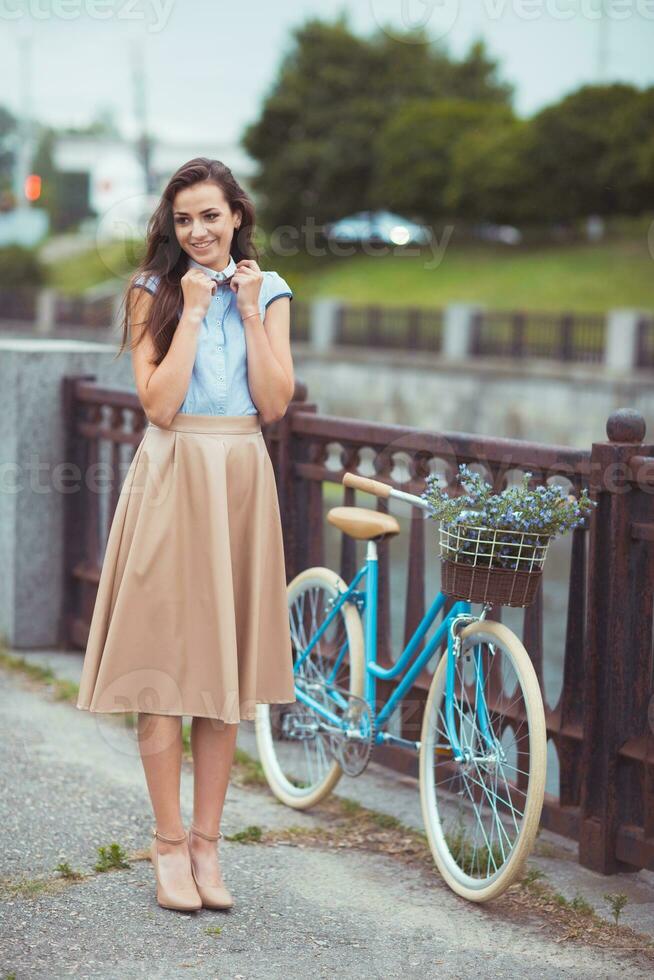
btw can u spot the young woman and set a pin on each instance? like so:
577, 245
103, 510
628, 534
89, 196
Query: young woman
191, 617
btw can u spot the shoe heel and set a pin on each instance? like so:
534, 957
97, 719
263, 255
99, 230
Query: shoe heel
212, 896
183, 899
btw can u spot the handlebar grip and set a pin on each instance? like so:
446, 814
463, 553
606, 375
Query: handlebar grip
368, 486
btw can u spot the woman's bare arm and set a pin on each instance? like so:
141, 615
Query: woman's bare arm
162, 388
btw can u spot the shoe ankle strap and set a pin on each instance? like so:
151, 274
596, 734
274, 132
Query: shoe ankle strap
168, 840
201, 833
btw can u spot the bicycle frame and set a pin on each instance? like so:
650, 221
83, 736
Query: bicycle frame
368, 601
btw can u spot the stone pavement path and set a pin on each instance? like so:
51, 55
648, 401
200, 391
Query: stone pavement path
72, 782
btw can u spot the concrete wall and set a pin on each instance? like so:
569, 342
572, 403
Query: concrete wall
32, 441
541, 402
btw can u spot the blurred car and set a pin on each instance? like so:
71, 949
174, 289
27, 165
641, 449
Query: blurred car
505, 234
378, 226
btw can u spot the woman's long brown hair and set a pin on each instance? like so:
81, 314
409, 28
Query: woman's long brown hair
165, 258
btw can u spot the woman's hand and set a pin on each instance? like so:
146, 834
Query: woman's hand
246, 283
198, 289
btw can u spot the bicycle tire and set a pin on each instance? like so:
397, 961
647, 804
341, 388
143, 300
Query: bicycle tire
434, 811
304, 797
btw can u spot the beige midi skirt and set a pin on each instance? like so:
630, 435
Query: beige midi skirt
191, 615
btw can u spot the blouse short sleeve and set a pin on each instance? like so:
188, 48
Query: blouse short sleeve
149, 283
276, 287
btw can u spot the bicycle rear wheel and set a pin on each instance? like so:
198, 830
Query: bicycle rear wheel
293, 740
481, 814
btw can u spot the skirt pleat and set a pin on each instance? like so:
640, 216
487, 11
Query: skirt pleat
191, 615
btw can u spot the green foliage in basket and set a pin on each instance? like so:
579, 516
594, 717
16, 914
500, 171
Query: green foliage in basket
542, 511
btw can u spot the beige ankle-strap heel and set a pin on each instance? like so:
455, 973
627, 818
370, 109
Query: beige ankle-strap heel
183, 899
212, 896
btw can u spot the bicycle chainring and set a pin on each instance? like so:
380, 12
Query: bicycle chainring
352, 747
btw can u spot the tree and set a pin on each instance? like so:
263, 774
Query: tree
333, 94
571, 141
489, 176
628, 164
415, 152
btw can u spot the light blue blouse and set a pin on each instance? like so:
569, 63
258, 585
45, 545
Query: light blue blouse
219, 380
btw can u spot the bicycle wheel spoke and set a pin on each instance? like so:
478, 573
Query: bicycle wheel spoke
478, 793
300, 740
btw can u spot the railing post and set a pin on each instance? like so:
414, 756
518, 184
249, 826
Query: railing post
322, 323
518, 335
566, 338
621, 345
46, 301
610, 664
75, 505
458, 320
291, 491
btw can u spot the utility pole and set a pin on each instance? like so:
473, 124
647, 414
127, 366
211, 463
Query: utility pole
24, 144
603, 42
139, 93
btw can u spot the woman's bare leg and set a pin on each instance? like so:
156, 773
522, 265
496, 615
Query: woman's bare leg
160, 746
212, 743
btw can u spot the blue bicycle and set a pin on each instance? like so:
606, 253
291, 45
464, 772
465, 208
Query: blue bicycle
482, 749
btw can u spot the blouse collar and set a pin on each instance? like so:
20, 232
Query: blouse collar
221, 276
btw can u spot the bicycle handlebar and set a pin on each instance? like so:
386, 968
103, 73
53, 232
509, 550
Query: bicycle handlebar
375, 487
379, 489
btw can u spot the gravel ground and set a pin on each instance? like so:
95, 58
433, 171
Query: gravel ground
72, 782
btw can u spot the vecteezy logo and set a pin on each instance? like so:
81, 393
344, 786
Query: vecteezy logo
399, 18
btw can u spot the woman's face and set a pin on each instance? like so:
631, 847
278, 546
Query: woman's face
204, 223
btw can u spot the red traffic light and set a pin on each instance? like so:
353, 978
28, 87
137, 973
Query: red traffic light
32, 187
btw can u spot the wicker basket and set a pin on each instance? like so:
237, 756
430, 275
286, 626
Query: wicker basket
484, 564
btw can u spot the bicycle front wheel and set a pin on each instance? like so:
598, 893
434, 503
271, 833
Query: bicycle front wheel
481, 811
294, 741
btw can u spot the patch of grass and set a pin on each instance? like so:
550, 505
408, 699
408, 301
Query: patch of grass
62, 690
543, 848
578, 277
616, 902
575, 920
384, 820
36, 671
111, 857
72, 274
250, 835
66, 871
531, 876
29, 887
186, 738
472, 860
65, 690
248, 770
350, 807
579, 904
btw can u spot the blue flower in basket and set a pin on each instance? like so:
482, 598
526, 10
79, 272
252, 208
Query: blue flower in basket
542, 511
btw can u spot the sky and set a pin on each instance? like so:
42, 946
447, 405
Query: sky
209, 63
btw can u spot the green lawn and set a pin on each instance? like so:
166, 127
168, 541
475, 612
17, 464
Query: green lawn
590, 278
107, 261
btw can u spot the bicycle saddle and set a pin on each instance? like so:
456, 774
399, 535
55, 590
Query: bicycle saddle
363, 523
